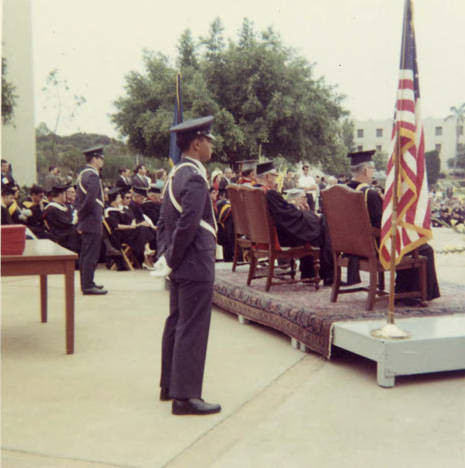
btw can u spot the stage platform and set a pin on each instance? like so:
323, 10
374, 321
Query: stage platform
435, 344
312, 322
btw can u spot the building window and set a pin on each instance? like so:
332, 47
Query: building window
438, 131
379, 132
379, 148
360, 148
437, 147
360, 133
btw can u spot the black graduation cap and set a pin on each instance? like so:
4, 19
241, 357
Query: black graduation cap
7, 189
266, 167
360, 157
94, 151
200, 126
60, 188
36, 189
113, 193
140, 190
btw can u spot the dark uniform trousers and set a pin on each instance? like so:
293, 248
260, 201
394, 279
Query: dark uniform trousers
185, 338
88, 258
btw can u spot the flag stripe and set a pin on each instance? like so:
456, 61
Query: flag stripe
413, 226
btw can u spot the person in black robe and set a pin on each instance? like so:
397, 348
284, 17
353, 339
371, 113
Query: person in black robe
362, 169
8, 195
225, 223
58, 219
36, 204
297, 226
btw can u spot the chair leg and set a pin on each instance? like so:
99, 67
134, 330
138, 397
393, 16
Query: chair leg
316, 266
126, 260
372, 289
336, 279
270, 273
381, 283
253, 263
422, 273
236, 253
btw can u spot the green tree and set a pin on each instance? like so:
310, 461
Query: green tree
8, 96
262, 94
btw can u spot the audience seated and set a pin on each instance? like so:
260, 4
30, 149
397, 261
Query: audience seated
223, 214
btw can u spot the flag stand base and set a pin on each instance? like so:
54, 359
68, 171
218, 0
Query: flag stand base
391, 332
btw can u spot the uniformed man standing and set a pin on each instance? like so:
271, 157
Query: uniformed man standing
90, 206
187, 239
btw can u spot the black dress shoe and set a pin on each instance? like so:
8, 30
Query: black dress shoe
194, 406
164, 395
98, 286
94, 291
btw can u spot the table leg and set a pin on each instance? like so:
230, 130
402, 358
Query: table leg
43, 298
69, 292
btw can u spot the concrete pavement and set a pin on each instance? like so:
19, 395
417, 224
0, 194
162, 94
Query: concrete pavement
100, 408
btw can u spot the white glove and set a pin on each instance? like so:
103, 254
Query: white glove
161, 268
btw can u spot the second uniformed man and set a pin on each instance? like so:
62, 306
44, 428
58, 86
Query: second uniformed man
187, 239
89, 205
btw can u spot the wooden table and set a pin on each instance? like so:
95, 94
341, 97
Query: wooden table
43, 257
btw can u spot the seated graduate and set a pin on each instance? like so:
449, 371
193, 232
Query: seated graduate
152, 204
58, 219
125, 229
8, 196
296, 225
224, 219
362, 170
36, 203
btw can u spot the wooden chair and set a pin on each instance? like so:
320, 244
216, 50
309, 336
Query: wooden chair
351, 233
242, 242
265, 243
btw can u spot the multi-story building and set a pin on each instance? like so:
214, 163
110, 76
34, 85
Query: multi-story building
440, 134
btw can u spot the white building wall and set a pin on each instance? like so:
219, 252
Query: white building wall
18, 138
439, 134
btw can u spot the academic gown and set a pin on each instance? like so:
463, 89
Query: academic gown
296, 227
59, 221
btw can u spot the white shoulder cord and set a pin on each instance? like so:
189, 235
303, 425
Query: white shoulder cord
178, 207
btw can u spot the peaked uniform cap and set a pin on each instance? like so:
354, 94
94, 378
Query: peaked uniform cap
360, 157
94, 151
200, 126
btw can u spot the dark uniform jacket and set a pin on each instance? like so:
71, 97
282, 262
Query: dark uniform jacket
189, 248
89, 201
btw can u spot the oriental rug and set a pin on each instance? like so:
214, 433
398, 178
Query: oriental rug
306, 314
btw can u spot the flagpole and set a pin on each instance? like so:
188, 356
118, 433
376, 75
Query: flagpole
390, 330
395, 194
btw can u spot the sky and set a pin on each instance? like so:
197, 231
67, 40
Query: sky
354, 44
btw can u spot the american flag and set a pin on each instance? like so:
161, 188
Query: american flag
175, 152
413, 206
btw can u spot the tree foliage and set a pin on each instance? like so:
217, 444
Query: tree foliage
8, 96
262, 94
